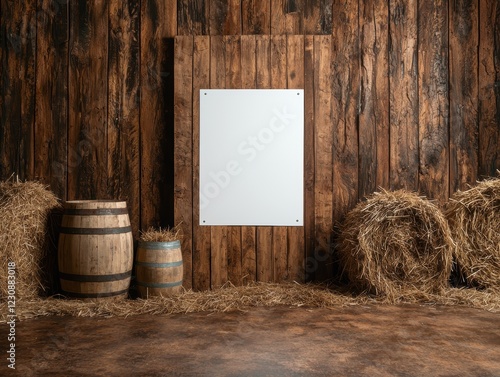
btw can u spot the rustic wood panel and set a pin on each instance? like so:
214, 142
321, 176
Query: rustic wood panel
88, 88
463, 69
403, 91
156, 113
278, 55
183, 157
287, 17
201, 234
373, 97
310, 264
225, 17
295, 80
18, 88
256, 16
433, 99
123, 106
346, 92
51, 110
193, 17
489, 88
323, 153
318, 17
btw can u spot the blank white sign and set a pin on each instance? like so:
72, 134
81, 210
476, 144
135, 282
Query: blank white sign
251, 157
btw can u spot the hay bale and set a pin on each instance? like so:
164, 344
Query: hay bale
396, 242
474, 219
25, 209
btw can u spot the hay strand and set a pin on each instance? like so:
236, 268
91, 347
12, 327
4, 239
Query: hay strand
25, 214
396, 242
474, 219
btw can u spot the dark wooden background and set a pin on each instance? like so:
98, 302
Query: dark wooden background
410, 98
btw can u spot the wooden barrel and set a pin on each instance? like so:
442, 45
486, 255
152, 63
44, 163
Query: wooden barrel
158, 268
95, 252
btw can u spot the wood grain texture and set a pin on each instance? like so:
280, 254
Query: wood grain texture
287, 17
256, 16
295, 80
193, 17
183, 149
310, 264
489, 88
123, 107
434, 112
323, 153
463, 68
318, 16
373, 97
346, 83
156, 115
403, 88
225, 17
88, 88
201, 234
17, 109
51, 105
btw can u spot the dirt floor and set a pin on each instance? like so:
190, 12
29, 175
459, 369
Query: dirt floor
354, 341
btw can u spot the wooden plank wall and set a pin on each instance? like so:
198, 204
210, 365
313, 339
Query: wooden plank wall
400, 94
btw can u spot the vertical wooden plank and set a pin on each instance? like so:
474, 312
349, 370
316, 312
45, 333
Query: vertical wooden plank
295, 80
287, 17
463, 69
156, 113
310, 97
225, 17
221, 235
318, 17
264, 241
374, 97
489, 88
17, 111
233, 81
279, 250
346, 85
256, 16
183, 148
51, 110
323, 146
193, 17
201, 234
88, 72
434, 112
403, 84
248, 233
123, 107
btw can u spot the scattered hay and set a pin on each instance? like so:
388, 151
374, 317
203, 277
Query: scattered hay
25, 215
231, 298
474, 219
162, 235
396, 242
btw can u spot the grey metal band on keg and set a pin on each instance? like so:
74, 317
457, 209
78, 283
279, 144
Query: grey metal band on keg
159, 265
102, 231
159, 245
95, 212
94, 295
159, 285
95, 278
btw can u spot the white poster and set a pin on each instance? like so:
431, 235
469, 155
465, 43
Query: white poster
251, 157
